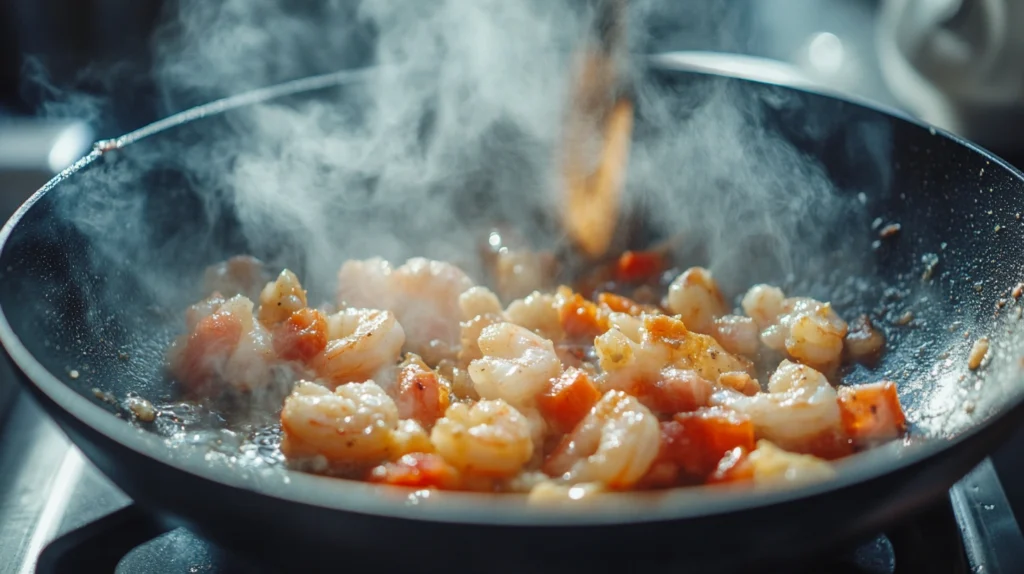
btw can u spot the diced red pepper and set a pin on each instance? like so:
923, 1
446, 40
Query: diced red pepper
581, 319
675, 391
569, 398
872, 412
639, 267
619, 304
417, 470
697, 441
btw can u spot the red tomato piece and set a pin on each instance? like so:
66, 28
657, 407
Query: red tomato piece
569, 398
872, 412
697, 441
639, 266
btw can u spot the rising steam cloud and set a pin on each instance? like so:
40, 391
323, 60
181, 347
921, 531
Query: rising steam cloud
456, 131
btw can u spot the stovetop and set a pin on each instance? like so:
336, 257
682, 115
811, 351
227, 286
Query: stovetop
58, 514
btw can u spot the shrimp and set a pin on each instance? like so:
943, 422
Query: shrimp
629, 355
517, 364
773, 466
423, 295
478, 301
280, 298
813, 333
480, 309
225, 345
354, 425
737, 334
800, 411
423, 395
538, 313
239, 275
410, 437
763, 304
361, 343
490, 438
613, 445
806, 330
366, 283
695, 297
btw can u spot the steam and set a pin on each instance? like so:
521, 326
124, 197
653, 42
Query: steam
453, 131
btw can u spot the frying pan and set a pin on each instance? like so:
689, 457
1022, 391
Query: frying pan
96, 268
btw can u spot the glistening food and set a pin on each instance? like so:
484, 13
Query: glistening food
417, 377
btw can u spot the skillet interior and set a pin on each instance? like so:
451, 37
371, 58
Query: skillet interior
79, 286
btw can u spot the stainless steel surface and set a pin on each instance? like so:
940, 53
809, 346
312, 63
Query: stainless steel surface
992, 536
47, 487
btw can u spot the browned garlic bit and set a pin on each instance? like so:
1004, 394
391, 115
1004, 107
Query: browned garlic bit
863, 341
141, 408
978, 353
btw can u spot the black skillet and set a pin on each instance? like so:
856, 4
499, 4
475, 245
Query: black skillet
97, 266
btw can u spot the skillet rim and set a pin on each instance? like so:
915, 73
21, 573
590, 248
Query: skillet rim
468, 508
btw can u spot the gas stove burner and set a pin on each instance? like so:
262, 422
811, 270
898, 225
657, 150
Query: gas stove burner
129, 540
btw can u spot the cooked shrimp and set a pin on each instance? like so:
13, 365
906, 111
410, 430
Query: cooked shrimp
361, 342
799, 412
737, 334
226, 345
490, 438
409, 437
427, 302
478, 301
517, 364
366, 283
537, 312
353, 425
423, 295
422, 394
695, 297
613, 445
773, 465
663, 342
813, 333
239, 275
763, 304
280, 298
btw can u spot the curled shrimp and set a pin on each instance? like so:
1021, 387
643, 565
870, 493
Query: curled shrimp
422, 293
478, 301
738, 335
280, 298
480, 309
614, 444
516, 366
352, 425
361, 343
696, 298
538, 313
763, 304
808, 331
490, 438
799, 412
224, 345
773, 466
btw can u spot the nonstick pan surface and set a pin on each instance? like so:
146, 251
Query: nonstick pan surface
76, 296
